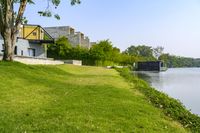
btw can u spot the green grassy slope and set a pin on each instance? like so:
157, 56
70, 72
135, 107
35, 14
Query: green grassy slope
69, 98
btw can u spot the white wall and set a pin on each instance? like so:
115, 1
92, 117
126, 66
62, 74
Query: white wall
24, 45
1, 47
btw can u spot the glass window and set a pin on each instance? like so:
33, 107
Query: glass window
34, 33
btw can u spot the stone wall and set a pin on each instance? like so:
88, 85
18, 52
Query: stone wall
85, 42
57, 32
74, 38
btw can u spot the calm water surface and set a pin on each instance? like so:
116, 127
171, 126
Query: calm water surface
179, 83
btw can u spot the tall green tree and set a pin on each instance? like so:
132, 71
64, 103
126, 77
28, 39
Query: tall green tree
60, 49
116, 55
102, 50
140, 50
10, 21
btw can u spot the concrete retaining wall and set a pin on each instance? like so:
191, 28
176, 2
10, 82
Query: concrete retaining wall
74, 62
36, 61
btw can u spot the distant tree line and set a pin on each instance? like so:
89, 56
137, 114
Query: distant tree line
104, 54
173, 61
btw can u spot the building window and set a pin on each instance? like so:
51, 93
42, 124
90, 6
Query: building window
15, 51
22, 53
34, 33
31, 52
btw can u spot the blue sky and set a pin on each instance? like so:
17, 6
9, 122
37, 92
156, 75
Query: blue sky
173, 24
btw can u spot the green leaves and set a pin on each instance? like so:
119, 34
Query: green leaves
55, 2
57, 16
73, 2
45, 13
29, 1
49, 13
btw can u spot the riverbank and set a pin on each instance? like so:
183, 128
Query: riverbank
179, 83
169, 106
67, 98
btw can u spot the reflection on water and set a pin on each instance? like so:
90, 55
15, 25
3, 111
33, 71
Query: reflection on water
180, 83
143, 75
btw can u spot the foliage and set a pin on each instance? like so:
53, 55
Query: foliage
66, 98
177, 61
101, 54
48, 11
171, 107
104, 52
61, 48
158, 51
140, 51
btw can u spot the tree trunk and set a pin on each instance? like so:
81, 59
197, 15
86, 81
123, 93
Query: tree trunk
9, 45
10, 26
7, 31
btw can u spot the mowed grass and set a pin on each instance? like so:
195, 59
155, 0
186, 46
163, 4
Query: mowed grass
68, 98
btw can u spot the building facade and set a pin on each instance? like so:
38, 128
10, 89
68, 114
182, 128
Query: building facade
75, 38
31, 42
26, 49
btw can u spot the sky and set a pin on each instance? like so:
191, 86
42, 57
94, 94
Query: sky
173, 24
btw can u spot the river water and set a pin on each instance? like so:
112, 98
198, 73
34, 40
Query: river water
179, 83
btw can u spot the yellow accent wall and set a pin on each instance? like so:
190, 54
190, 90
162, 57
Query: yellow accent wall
32, 32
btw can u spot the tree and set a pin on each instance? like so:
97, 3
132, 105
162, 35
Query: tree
158, 51
116, 55
60, 49
10, 21
141, 50
178, 61
102, 50
132, 50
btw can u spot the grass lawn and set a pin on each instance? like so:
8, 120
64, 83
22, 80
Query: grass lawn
68, 98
